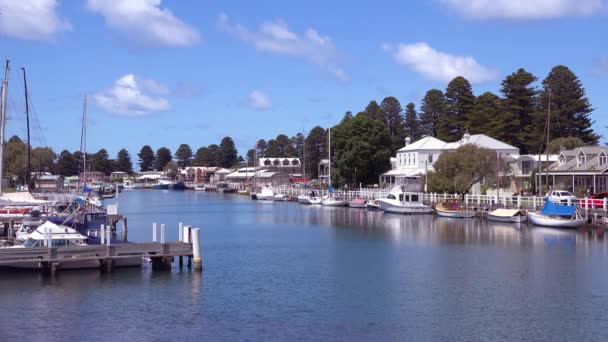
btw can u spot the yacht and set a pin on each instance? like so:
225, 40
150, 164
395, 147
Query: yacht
331, 201
400, 202
266, 195
311, 198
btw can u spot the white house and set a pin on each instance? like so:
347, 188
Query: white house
417, 158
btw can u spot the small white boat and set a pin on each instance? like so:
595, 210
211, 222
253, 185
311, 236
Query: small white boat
199, 187
333, 202
399, 202
507, 215
372, 205
557, 215
311, 198
266, 195
280, 198
360, 203
451, 208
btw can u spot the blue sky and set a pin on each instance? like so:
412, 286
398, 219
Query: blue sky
169, 72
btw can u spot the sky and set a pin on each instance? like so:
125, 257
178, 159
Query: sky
167, 72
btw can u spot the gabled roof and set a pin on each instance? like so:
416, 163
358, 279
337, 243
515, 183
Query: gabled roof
426, 143
591, 163
481, 140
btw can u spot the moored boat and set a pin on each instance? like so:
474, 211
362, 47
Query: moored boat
330, 201
265, 195
280, 198
311, 198
399, 202
507, 215
454, 209
372, 205
557, 215
358, 203
178, 186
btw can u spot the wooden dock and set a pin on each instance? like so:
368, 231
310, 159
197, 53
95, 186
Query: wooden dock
50, 259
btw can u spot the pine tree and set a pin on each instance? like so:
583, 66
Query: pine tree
228, 155
393, 117
146, 159
412, 123
66, 165
570, 107
202, 157
459, 105
373, 111
347, 116
183, 155
251, 158
261, 146
485, 115
316, 149
518, 125
101, 162
123, 162
432, 112
214, 155
162, 158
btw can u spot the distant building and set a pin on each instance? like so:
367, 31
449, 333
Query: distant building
49, 182
198, 174
323, 171
119, 175
93, 177
285, 165
582, 170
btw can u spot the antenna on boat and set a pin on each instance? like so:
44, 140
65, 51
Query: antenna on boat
3, 121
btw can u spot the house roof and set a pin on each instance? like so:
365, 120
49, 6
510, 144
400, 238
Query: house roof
480, 140
592, 160
426, 143
49, 177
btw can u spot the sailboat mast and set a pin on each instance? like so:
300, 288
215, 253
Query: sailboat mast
329, 149
83, 140
29, 143
3, 121
548, 137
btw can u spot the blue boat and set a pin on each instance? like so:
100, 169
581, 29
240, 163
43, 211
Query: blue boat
179, 186
161, 187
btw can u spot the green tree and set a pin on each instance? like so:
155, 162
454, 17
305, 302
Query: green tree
66, 165
228, 154
373, 111
172, 169
432, 112
15, 159
393, 117
272, 149
486, 114
251, 158
570, 107
202, 157
458, 106
361, 151
162, 158
183, 155
316, 149
146, 159
517, 125
457, 171
214, 155
43, 159
569, 143
298, 143
261, 146
284, 147
412, 123
347, 116
100, 161
123, 162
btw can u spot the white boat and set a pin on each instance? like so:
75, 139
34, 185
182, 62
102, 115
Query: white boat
400, 202
265, 195
311, 198
199, 187
452, 208
507, 215
128, 185
372, 205
557, 215
330, 201
280, 198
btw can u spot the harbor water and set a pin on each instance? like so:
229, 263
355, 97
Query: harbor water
289, 272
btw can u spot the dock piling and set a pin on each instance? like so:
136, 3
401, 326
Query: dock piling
196, 252
124, 230
103, 234
181, 231
162, 233
154, 232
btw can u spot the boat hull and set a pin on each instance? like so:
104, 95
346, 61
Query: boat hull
547, 221
455, 214
396, 207
161, 187
509, 219
333, 203
357, 206
264, 197
279, 198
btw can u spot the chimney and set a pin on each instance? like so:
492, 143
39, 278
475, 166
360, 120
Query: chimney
466, 137
407, 141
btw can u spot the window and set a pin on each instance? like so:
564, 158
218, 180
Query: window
580, 160
415, 198
430, 158
603, 159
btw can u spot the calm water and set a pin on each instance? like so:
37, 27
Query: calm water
283, 271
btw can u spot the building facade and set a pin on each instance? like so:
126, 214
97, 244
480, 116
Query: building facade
583, 170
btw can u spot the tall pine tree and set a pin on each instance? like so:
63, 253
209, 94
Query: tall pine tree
373, 111
412, 123
432, 112
517, 125
393, 116
459, 105
485, 115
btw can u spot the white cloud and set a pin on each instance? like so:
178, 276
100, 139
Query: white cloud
31, 19
259, 100
525, 9
131, 95
600, 67
275, 37
145, 21
437, 65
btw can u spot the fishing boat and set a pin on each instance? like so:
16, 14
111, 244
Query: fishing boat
360, 203
400, 202
178, 186
557, 215
164, 183
454, 209
265, 195
507, 215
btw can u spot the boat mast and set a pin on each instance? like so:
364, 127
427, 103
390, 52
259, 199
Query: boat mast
3, 121
548, 134
83, 142
329, 153
28, 178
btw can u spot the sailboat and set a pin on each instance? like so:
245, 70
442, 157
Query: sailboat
12, 203
330, 201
